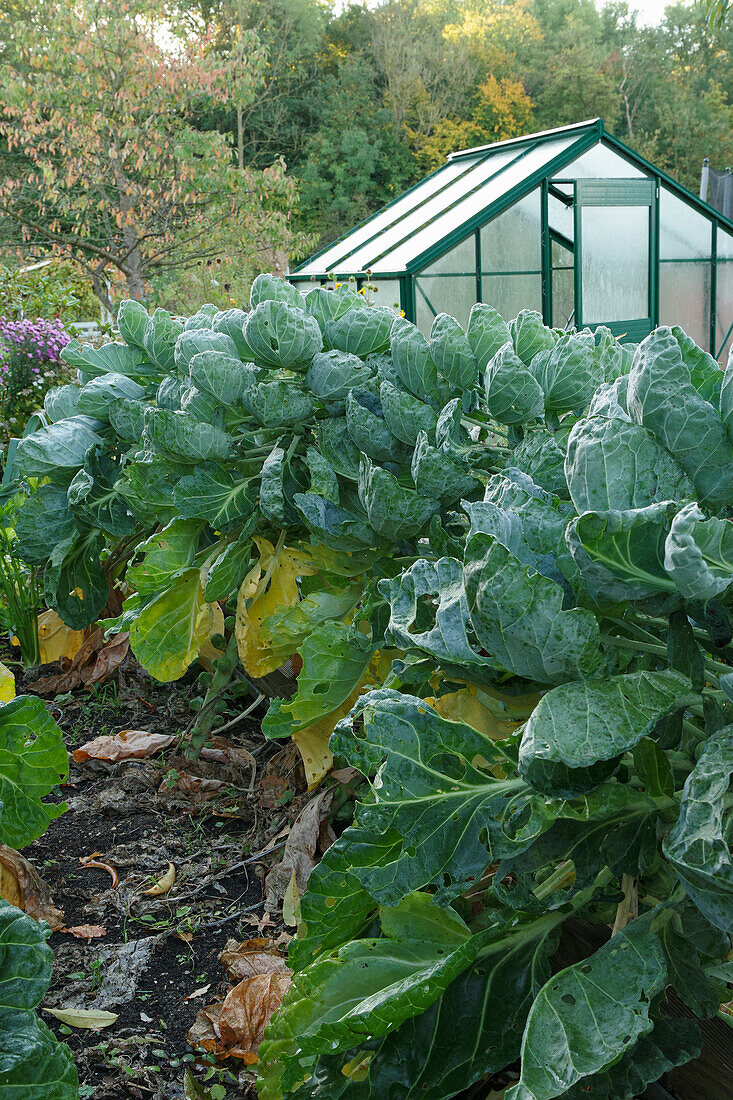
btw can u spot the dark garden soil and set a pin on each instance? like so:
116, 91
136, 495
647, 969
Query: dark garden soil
157, 962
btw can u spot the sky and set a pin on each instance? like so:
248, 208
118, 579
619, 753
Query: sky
650, 11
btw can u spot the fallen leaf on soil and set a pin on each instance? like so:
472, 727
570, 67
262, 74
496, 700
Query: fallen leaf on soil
90, 861
221, 751
197, 787
247, 1010
93, 662
56, 639
299, 857
164, 884
89, 1019
198, 992
127, 745
291, 904
252, 957
22, 886
86, 931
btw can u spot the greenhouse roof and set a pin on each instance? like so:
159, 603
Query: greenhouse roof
472, 186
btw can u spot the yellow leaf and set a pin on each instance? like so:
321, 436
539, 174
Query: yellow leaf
209, 653
312, 742
270, 584
7, 684
291, 904
56, 639
86, 1018
164, 884
466, 705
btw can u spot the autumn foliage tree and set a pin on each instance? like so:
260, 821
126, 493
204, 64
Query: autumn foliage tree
104, 160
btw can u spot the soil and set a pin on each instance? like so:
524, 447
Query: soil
159, 954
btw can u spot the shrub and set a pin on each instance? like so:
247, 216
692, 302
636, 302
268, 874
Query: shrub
504, 558
30, 364
55, 290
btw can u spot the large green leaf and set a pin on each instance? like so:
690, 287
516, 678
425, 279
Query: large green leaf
215, 494
232, 322
439, 476
160, 337
569, 373
626, 547
452, 353
332, 374
109, 358
513, 394
394, 511
361, 331
578, 732
518, 617
698, 846
328, 305
94, 498
487, 332
58, 449
272, 288
95, 396
74, 582
132, 320
589, 1015
33, 761
530, 335
223, 376
337, 446
429, 612
181, 437
43, 521
369, 431
414, 364
698, 554
661, 396
334, 526
61, 402
614, 464
34, 1065
127, 417
165, 554
194, 342
406, 416
282, 335
434, 787
226, 573
288, 629
335, 658
148, 488
540, 455
27, 959
169, 632
278, 404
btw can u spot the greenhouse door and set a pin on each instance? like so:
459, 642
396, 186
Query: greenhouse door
614, 234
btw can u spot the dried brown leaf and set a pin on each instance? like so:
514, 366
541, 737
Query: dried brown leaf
252, 957
247, 1010
22, 886
86, 931
127, 745
299, 857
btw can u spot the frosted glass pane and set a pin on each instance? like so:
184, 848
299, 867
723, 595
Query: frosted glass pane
725, 245
512, 241
600, 161
510, 293
683, 232
724, 310
563, 286
684, 299
514, 173
615, 263
453, 296
560, 217
384, 292
460, 260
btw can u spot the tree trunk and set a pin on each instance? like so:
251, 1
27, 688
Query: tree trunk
101, 289
240, 139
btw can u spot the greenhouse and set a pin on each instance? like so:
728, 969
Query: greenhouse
569, 222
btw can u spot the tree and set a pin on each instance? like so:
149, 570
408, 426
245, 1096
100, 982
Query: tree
109, 167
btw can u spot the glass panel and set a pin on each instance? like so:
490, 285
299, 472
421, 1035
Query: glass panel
460, 260
683, 232
560, 217
600, 161
522, 164
725, 245
510, 293
563, 286
615, 263
454, 296
512, 241
384, 292
684, 299
724, 310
